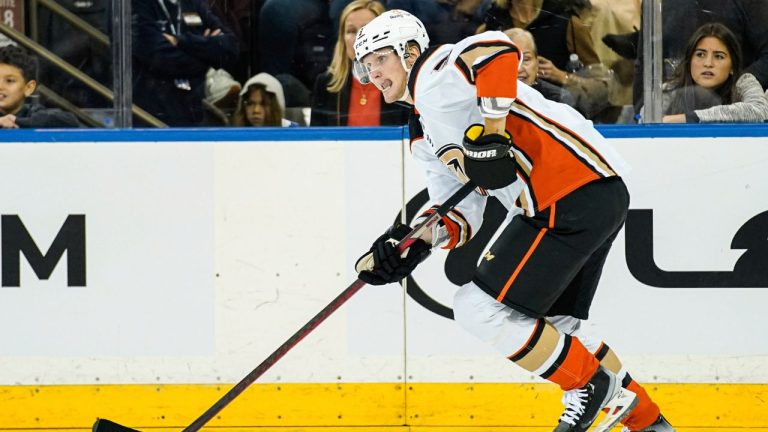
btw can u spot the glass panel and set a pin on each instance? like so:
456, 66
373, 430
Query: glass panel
76, 32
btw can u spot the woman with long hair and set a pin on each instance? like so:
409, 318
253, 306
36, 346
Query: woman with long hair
708, 85
338, 98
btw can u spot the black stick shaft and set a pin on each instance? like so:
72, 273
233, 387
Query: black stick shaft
312, 324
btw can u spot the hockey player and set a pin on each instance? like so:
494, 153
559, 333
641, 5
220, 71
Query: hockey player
474, 120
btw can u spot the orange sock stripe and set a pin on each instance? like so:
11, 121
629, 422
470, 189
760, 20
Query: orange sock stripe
575, 368
527, 256
645, 413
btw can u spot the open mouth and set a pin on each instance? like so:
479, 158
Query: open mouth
385, 85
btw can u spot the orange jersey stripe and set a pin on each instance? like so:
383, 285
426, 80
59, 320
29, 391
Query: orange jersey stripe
499, 77
555, 170
527, 256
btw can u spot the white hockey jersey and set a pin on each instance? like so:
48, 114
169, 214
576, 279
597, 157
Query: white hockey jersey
556, 148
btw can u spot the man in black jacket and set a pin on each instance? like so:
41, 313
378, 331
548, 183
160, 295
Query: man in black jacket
175, 42
17, 82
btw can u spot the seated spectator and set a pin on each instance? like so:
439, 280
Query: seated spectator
77, 48
559, 31
222, 95
18, 70
338, 98
295, 43
709, 86
447, 21
175, 43
680, 19
262, 103
609, 19
529, 68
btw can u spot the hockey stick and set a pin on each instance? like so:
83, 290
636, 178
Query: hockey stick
103, 425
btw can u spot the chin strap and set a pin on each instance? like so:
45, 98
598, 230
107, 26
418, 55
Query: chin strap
407, 92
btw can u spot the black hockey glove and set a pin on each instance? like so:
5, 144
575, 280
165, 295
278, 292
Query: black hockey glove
487, 159
383, 264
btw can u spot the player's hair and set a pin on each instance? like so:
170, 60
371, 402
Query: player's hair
689, 96
274, 115
20, 58
341, 64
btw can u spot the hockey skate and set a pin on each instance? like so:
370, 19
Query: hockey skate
660, 425
602, 392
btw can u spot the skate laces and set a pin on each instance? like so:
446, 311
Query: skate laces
575, 402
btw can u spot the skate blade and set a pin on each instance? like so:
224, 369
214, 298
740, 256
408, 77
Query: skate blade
617, 408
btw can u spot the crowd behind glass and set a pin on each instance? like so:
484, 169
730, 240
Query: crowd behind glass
288, 63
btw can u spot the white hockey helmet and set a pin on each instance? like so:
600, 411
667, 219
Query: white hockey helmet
394, 28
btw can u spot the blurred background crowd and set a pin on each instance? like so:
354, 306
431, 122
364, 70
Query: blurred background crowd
287, 63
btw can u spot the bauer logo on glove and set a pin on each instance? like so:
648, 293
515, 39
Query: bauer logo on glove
487, 160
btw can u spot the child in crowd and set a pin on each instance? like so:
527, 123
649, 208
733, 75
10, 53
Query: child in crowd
18, 70
262, 103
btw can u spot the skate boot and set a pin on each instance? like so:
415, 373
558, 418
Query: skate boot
602, 392
660, 425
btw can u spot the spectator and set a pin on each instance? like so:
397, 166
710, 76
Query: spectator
295, 42
447, 21
239, 16
18, 70
610, 18
222, 95
175, 43
680, 18
559, 31
78, 49
338, 98
262, 103
529, 68
705, 87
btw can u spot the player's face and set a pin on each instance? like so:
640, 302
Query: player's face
529, 67
387, 73
256, 108
13, 89
711, 63
355, 21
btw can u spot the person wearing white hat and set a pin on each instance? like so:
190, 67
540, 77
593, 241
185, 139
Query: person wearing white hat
262, 103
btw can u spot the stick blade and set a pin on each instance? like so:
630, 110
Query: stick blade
104, 425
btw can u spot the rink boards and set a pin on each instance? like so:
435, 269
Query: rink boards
144, 272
